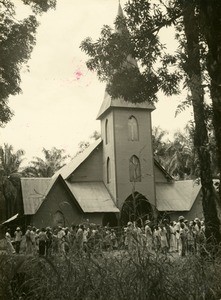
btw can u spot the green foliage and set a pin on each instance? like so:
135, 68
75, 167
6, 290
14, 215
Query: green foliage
17, 39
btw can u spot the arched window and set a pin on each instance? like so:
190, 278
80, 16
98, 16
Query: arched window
107, 133
108, 170
133, 130
134, 169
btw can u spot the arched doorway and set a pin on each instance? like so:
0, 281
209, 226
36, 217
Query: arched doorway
110, 219
136, 208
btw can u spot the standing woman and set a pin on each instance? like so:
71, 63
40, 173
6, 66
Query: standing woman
10, 248
29, 245
149, 236
163, 239
173, 241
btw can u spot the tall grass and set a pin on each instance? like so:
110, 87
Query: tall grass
109, 275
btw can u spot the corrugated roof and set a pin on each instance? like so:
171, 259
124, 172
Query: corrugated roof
176, 196
68, 169
120, 102
92, 197
34, 191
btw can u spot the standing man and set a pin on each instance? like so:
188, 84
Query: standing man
18, 239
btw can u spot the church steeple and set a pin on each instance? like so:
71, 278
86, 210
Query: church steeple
120, 11
108, 101
127, 142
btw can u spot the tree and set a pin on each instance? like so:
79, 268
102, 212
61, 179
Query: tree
139, 35
181, 160
54, 159
85, 144
10, 162
17, 39
160, 144
210, 24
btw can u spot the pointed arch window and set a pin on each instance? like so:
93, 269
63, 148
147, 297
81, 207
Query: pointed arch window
108, 170
107, 133
134, 169
133, 130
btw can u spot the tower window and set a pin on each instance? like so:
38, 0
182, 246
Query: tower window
134, 169
133, 130
107, 134
108, 170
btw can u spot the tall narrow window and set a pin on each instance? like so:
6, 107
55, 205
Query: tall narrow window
134, 169
133, 131
108, 170
107, 132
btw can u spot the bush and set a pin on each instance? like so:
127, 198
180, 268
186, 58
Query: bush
109, 275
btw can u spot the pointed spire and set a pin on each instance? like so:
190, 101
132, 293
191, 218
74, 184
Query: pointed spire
120, 14
109, 102
120, 11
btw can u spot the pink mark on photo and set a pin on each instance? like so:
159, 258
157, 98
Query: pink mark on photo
78, 74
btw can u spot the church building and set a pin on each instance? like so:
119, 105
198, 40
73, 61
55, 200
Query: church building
114, 180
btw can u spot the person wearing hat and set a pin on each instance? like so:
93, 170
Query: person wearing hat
18, 239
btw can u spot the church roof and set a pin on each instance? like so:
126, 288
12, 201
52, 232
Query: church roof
68, 169
34, 191
92, 197
109, 102
176, 196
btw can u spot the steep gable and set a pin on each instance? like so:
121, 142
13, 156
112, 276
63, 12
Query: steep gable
68, 169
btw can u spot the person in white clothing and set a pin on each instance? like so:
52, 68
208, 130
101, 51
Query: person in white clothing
10, 248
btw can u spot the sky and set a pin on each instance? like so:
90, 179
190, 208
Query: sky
61, 98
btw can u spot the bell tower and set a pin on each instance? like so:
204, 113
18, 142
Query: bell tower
128, 163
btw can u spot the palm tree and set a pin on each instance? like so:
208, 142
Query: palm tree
160, 144
54, 159
10, 162
183, 161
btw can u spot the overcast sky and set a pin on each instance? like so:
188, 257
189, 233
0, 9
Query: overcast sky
61, 98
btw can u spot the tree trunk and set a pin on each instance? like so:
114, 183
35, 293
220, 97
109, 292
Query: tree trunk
210, 13
193, 70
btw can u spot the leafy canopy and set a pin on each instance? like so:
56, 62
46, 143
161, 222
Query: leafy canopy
17, 39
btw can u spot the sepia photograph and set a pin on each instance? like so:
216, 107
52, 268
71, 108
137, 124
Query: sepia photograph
110, 149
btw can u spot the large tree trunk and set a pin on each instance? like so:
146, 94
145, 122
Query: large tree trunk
210, 13
193, 70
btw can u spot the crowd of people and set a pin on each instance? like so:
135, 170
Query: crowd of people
184, 237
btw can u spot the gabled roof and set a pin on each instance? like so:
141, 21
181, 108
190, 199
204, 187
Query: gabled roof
109, 102
176, 196
68, 169
92, 197
163, 170
34, 191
